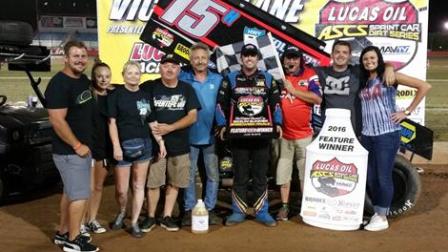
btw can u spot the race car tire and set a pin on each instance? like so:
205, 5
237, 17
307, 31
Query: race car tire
407, 189
15, 33
1, 190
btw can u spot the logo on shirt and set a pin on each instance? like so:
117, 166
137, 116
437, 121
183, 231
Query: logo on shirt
338, 86
144, 109
84, 97
173, 102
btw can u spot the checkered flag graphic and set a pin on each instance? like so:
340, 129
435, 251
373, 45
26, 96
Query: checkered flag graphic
228, 57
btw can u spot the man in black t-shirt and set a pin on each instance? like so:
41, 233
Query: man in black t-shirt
70, 110
174, 105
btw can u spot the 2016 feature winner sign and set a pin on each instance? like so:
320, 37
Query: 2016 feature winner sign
335, 176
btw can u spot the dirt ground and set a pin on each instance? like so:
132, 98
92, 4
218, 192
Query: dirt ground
29, 226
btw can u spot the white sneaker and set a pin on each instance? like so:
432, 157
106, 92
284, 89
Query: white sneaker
377, 223
95, 226
84, 231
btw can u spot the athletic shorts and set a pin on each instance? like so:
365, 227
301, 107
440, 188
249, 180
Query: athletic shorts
75, 174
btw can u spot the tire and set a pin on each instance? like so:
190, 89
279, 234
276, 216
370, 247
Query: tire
16, 33
1, 190
407, 189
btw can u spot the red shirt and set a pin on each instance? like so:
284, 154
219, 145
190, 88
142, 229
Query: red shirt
296, 112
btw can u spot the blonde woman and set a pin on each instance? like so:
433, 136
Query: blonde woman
129, 110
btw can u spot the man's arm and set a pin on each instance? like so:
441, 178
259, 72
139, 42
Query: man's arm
64, 132
222, 107
164, 128
389, 74
307, 96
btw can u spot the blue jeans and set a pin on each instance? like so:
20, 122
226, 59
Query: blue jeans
380, 186
211, 170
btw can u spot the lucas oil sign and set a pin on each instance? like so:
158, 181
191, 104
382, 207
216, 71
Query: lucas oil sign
335, 175
334, 178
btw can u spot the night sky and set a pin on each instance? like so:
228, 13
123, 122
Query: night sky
437, 15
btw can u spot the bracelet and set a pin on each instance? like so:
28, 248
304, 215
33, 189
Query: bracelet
77, 146
407, 112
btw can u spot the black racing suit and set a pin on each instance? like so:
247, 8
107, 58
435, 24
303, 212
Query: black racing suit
235, 86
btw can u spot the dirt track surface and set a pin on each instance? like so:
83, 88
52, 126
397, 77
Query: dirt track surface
29, 226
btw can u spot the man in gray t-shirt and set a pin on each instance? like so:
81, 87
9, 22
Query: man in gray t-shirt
341, 81
340, 84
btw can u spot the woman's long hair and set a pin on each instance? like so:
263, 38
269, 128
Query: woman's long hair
379, 70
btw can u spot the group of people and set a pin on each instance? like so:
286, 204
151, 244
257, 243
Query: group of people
153, 133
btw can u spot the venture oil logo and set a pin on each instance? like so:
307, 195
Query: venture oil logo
334, 178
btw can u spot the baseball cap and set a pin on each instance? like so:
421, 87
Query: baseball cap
249, 49
169, 57
292, 52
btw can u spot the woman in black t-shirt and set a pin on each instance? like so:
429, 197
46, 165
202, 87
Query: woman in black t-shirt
129, 110
102, 145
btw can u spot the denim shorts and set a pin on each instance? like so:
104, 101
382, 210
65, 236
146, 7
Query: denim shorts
142, 145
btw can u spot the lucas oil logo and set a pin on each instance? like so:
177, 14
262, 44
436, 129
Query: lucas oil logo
334, 178
393, 26
250, 105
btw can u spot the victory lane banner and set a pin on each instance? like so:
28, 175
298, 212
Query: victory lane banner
177, 24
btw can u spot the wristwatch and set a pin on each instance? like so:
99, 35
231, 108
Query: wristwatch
407, 112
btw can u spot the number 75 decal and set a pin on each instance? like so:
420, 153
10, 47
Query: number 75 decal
198, 17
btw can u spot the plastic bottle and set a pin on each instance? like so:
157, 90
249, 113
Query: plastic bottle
199, 218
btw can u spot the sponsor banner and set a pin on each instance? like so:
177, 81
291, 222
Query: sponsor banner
120, 23
335, 176
211, 22
398, 27
73, 22
51, 22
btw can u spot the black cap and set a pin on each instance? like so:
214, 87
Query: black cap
249, 49
292, 52
169, 57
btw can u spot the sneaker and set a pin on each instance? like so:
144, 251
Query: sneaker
282, 214
118, 223
169, 224
186, 220
266, 219
213, 219
235, 218
84, 230
377, 223
60, 239
148, 224
95, 226
79, 244
136, 231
